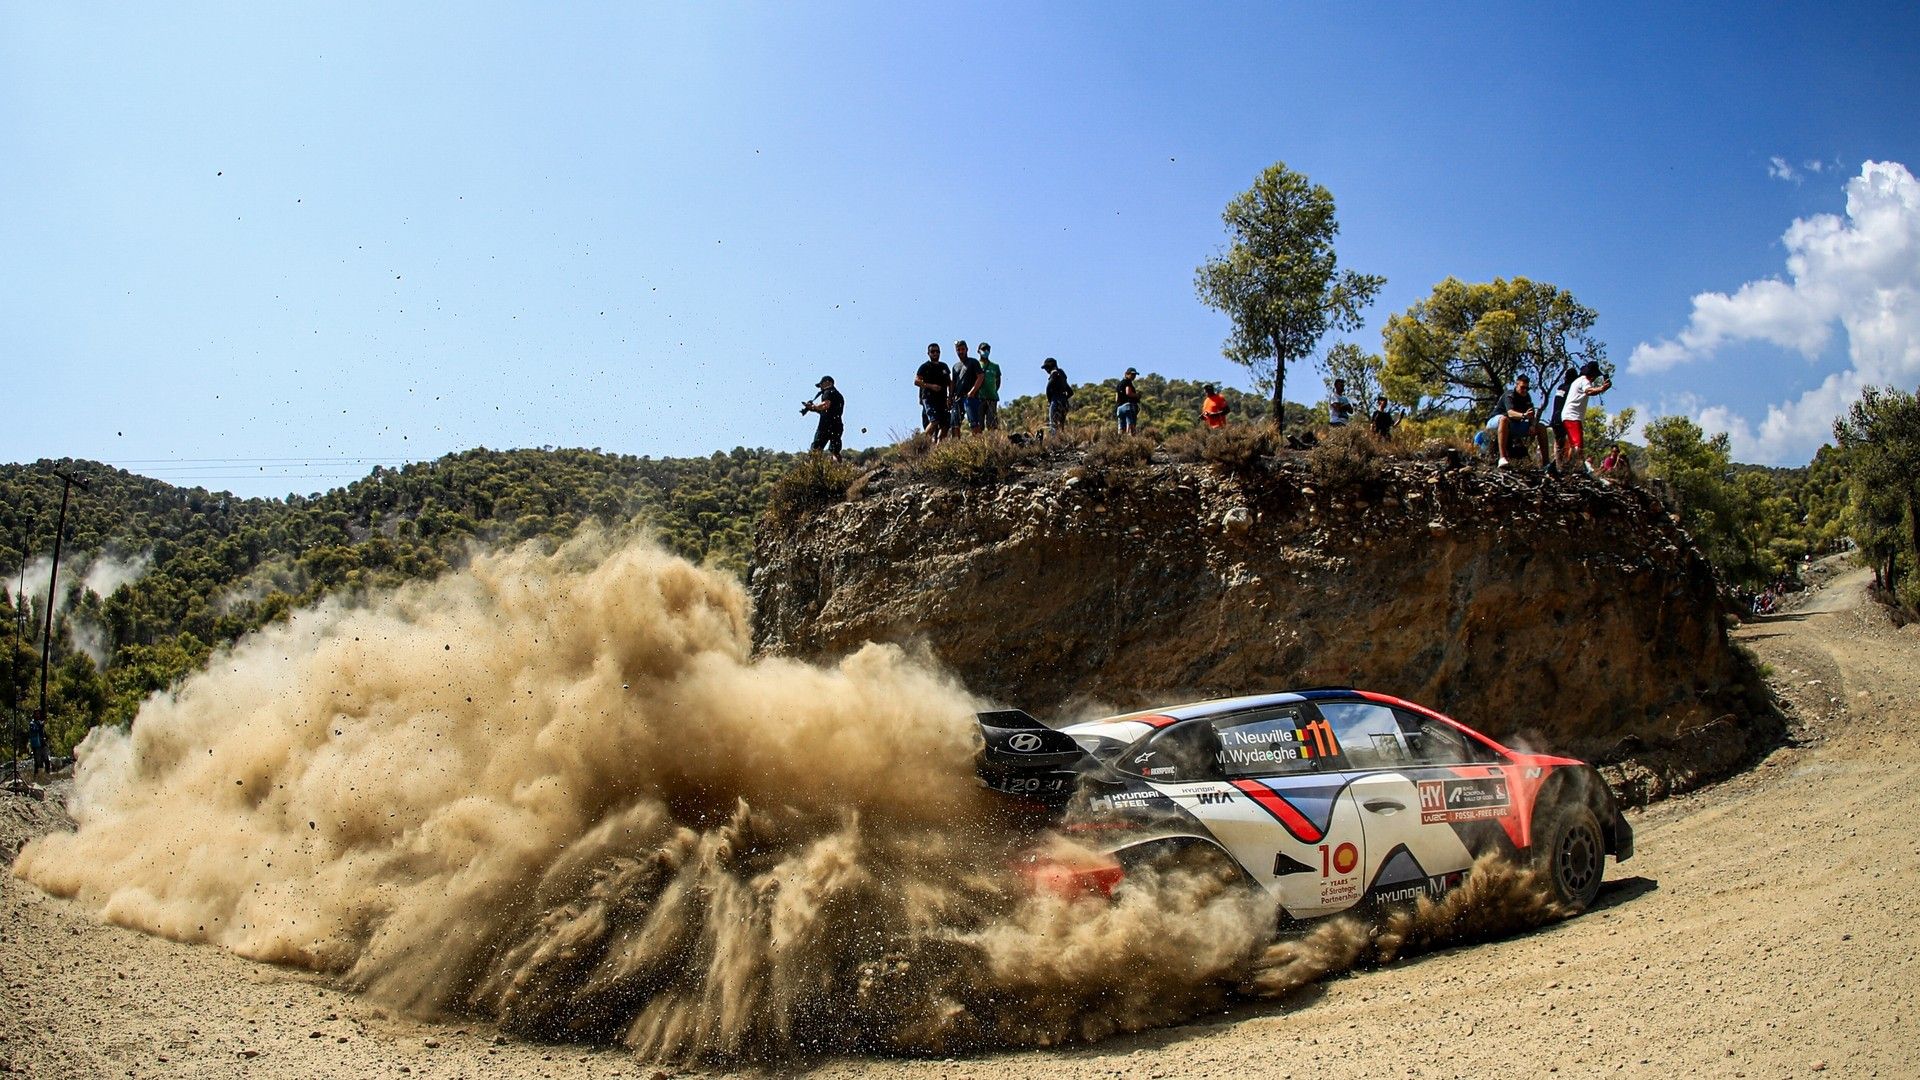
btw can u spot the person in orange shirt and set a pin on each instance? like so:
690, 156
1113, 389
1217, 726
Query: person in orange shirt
1213, 409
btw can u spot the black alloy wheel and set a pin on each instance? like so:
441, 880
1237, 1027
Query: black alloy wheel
1573, 855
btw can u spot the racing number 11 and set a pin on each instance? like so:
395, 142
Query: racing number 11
1316, 740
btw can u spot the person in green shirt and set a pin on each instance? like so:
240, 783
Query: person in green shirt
989, 388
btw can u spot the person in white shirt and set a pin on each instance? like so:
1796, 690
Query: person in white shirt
1590, 384
1339, 409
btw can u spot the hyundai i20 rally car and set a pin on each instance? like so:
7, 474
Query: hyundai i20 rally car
1327, 799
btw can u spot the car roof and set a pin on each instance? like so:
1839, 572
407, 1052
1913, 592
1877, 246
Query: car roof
1130, 726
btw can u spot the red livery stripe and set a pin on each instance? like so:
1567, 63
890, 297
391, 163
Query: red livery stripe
1282, 811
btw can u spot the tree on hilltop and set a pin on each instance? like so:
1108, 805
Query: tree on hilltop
1278, 278
1360, 370
1465, 344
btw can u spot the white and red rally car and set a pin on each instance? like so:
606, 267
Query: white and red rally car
1326, 798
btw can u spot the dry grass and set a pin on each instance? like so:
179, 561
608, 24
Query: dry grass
1107, 449
1345, 457
970, 459
814, 483
1235, 448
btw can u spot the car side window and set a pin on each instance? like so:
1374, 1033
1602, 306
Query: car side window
1369, 734
1434, 743
1274, 742
1178, 754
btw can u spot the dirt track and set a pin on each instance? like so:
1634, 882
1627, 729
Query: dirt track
1762, 931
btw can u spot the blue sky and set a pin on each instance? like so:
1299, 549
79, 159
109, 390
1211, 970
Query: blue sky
263, 247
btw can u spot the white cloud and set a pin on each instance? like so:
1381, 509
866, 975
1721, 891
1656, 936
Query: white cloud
1813, 166
1860, 272
1780, 169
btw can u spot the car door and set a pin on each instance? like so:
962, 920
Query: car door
1412, 849
1276, 800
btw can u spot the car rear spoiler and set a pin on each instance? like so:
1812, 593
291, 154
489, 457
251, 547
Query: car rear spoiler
1025, 758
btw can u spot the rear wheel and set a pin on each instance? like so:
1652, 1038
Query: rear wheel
1572, 855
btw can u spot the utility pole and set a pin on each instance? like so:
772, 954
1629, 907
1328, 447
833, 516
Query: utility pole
53, 579
16, 734
22, 621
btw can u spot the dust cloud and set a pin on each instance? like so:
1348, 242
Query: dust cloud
556, 790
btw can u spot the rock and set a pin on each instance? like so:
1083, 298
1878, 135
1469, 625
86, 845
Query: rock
1057, 600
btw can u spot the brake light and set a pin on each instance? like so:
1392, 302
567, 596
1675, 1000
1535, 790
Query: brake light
1070, 881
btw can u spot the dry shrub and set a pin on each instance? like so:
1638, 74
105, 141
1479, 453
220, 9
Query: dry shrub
912, 448
1235, 448
814, 483
971, 459
1111, 450
1344, 457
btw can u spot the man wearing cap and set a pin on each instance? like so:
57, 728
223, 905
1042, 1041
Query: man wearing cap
989, 388
1059, 394
830, 405
1126, 406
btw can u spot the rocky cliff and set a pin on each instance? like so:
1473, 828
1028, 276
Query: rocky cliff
1572, 616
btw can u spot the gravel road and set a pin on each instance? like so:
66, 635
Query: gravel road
1762, 931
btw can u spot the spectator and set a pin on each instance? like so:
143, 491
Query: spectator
1516, 419
989, 388
37, 743
956, 408
1590, 384
830, 405
1213, 407
1557, 404
1339, 409
1126, 406
935, 384
1059, 394
1616, 464
970, 377
1383, 420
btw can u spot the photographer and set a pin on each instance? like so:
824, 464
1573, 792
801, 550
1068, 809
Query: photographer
829, 404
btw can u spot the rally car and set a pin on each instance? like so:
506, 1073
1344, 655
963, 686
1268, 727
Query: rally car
1326, 798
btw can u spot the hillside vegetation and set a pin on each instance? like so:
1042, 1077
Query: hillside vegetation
154, 578
184, 570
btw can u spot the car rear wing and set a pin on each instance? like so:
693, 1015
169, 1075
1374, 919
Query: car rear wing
1026, 759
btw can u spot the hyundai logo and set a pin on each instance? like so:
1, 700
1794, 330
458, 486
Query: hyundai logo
1026, 742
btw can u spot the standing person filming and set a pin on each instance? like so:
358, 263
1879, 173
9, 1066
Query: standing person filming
1590, 384
830, 404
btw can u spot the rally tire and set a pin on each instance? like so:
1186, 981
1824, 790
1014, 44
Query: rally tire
1570, 852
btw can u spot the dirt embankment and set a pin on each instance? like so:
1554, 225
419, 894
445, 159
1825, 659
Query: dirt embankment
1569, 615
